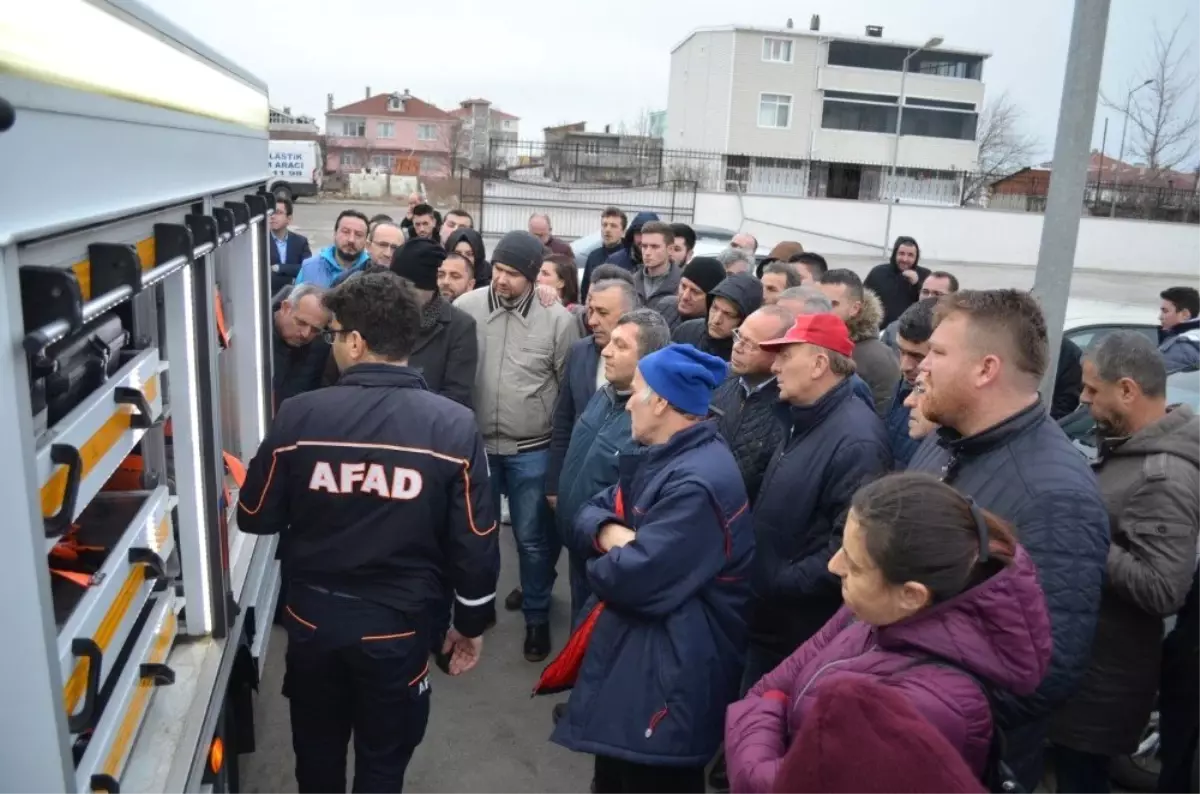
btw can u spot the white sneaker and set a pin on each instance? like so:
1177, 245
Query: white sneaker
505, 516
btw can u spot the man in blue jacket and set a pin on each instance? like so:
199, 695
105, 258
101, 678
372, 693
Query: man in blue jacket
834, 443
913, 330
997, 444
348, 252
602, 430
668, 553
609, 301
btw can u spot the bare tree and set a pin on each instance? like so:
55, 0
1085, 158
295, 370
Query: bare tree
1163, 118
1004, 147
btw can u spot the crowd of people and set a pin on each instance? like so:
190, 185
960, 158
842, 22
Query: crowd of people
822, 532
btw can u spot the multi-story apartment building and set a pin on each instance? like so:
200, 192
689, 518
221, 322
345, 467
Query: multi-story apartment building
397, 133
778, 98
486, 132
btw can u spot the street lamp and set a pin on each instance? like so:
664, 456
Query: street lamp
1112, 210
934, 41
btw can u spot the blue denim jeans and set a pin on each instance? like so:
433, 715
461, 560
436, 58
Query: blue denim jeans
522, 477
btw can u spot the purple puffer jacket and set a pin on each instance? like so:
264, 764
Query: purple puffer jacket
998, 630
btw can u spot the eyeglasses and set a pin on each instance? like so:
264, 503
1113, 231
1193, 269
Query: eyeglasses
747, 344
330, 334
932, 293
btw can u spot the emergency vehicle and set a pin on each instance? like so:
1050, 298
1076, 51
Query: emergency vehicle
136, 359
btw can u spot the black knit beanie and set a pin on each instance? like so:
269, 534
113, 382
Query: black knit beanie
522, 252
418, 261
705, 272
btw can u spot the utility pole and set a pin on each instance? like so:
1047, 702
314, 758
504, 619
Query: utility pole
934, 41
1072, 148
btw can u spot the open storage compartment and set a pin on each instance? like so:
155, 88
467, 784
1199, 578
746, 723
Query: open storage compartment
114, 558
76, 457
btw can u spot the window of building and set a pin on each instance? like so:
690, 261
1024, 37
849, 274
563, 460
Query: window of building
383, 162
890, 58
385, 129
354, 128
775, 110
431, 165
777, 50
859, 116
928, 122
349, 160
426, 132
969, 107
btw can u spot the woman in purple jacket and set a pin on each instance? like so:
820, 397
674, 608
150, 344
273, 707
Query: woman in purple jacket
939, 599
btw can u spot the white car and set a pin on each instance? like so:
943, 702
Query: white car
1089, 321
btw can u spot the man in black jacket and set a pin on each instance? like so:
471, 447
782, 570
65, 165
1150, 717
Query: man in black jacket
381, 489
898, 282
746, 402
299, 353
730, 302
833, 444
446, 350
996, 444
690, 301
612, 236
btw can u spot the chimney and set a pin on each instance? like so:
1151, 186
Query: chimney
815, 22
368, 96
287, 111
789, 23
329, 101
607, 129
875, 31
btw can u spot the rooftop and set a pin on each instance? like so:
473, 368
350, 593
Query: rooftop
462, 110
828, 36
378, 105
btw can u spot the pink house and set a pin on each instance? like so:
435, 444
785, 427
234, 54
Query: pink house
396, 133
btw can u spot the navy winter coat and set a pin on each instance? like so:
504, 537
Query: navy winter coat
667, 652
602, 433
829, 450
1025, 470
896, 420
576, 390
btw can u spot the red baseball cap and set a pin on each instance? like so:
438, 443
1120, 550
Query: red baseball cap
823, 330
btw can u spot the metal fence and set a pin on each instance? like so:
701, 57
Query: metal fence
596, 162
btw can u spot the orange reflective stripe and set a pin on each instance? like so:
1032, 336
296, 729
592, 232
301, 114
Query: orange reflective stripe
424, 672
400, 636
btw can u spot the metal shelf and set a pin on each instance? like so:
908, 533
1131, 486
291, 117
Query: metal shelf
100, 624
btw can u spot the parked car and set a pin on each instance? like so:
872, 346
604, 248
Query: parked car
1089, 321
1182, 387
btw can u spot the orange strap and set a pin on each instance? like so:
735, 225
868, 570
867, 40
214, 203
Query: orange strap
222, 329
236, 468
81, 579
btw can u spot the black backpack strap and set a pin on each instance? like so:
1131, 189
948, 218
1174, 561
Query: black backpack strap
997, 775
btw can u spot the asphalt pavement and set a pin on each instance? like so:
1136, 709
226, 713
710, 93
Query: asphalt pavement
486, 733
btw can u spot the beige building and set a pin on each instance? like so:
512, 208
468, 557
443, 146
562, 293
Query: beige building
782, 95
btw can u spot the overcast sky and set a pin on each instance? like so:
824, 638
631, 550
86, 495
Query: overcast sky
558, 61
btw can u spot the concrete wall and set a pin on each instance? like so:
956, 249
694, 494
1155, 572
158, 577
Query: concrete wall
954, 234
753, 77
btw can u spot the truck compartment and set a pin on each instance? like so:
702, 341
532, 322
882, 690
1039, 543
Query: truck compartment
104, 574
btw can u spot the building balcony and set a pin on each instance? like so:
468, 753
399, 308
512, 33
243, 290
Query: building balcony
882, 82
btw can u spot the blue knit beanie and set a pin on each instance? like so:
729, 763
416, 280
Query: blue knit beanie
683, 376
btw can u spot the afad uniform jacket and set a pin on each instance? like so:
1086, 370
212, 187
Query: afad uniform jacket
380, 489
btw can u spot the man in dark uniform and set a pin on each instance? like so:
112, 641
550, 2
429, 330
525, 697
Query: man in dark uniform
381, 490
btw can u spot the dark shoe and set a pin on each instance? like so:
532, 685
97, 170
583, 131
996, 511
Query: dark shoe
718, 778
514, 600
537, 642
560, 711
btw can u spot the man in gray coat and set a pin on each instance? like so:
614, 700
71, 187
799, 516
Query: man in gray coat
1149, 470
522, 357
